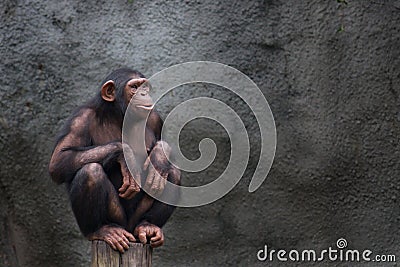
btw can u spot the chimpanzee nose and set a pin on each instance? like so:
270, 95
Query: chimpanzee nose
143, 93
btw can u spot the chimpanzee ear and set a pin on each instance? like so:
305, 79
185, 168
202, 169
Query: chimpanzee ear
108, 91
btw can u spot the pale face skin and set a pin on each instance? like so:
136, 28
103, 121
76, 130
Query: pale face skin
138, 89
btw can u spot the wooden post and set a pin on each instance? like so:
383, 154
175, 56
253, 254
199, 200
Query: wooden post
104, 256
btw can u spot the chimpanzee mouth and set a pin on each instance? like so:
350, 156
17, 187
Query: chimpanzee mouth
146, 107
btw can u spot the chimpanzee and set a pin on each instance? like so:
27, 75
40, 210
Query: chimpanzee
88, 157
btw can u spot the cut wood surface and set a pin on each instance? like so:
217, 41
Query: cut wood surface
104, 256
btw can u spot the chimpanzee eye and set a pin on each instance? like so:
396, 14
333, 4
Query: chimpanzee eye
134, 88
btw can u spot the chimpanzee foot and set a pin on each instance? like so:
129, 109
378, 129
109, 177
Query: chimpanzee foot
115, 236
147, 230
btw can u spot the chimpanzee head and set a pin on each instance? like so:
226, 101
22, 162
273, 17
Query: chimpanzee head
122, 86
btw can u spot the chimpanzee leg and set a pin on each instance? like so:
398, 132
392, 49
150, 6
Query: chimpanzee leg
154, 211
144, 205
94, 199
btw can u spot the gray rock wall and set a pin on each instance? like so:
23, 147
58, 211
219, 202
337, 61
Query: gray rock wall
335, 97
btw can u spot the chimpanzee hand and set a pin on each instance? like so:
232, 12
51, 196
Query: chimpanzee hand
130, 186
156, 179
146, 230
158, 168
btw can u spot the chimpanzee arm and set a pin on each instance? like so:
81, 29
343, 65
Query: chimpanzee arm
160, 212
72, 152
155, 123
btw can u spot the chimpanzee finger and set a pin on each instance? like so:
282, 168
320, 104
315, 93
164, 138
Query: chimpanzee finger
157, 240
123, 241
165, 175
131, 192
110, 242
143, 237
120, 248
124, 195
158, 184
123, 187
156, 233
115, 244
150, 178
164, 180
135, 184
157, 243
129, 236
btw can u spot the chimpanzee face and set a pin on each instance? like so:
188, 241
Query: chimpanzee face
136, 91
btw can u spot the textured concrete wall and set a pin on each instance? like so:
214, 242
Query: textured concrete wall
335, 97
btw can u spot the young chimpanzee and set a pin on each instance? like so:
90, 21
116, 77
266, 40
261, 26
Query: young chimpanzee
88, 156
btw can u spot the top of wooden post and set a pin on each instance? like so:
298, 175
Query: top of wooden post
137, 255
